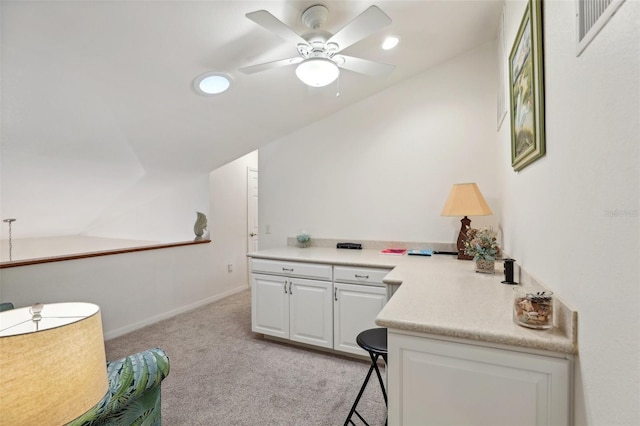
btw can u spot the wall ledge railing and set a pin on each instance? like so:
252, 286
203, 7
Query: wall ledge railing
61, 258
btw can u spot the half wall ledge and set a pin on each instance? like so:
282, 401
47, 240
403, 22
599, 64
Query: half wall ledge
27, 262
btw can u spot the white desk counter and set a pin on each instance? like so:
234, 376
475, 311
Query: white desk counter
441, 295
455, 355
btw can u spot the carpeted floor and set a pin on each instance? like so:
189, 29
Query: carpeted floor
223, 374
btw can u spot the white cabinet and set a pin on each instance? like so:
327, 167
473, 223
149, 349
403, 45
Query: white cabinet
433, 381
292, 308
311, 312
270, 305
359, 296
355, 309
298, 301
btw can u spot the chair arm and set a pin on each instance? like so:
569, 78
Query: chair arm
129, 378
6, 306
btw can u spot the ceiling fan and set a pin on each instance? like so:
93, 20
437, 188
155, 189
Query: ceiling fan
319, 59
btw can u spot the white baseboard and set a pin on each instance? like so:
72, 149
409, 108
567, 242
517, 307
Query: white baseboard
172, 313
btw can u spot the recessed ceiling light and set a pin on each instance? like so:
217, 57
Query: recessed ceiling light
211, 83
390, 42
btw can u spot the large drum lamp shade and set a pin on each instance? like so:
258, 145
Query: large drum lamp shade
52, 363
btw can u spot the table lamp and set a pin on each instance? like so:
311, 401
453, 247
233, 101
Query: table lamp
465, 199
52, 363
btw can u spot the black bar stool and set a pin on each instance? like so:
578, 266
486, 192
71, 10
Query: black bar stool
373, 341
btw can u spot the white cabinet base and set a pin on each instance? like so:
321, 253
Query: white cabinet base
298, 301
441, 382
269, 305
355, 310
311, 312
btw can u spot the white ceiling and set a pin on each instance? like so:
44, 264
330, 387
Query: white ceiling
97, 98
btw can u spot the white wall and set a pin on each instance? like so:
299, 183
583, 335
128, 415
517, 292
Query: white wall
571, 218
132, 290
167, 215
228, 220
382, 169
136, 289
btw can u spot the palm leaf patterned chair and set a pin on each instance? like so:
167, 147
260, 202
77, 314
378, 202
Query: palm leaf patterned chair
133, 397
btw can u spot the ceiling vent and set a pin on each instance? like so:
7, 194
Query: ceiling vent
592, 16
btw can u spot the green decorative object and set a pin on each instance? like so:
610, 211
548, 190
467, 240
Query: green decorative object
483, 246
304, 239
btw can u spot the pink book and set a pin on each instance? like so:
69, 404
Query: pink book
395, 251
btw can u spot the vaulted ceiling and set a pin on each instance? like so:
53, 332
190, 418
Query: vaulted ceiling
98, 105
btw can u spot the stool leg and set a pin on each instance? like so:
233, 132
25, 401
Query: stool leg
375, 364
364, 385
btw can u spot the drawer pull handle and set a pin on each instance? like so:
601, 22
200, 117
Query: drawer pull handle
285, 287
287, 270
366, 277
290, 292
335, 294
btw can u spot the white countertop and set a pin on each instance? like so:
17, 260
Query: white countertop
443, 296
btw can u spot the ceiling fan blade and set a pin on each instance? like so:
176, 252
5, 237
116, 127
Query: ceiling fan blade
276, 26
270, 65
365, 66
368, 22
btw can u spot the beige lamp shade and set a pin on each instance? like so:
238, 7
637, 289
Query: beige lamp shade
52, 370
465, 199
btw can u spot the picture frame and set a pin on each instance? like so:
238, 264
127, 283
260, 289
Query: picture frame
526, 89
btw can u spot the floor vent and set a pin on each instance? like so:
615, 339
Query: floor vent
592, 16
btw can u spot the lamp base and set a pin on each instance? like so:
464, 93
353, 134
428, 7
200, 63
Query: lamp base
462, 237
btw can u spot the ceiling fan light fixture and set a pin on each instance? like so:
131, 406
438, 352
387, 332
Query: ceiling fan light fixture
317, 72
211, 83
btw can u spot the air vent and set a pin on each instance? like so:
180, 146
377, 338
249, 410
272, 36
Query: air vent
592, 16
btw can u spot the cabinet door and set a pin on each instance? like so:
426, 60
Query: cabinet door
436, 382
311, 312
270, 305
355, 310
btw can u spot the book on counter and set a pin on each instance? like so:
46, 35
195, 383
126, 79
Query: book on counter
418, 252
394, 251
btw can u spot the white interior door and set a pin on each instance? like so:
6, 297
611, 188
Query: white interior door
252, 210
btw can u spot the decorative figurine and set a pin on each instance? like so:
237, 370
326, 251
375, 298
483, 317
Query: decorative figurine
200, 225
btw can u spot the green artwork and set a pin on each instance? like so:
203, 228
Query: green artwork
526, 90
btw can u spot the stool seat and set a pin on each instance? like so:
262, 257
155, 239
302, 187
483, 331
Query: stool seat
373, 340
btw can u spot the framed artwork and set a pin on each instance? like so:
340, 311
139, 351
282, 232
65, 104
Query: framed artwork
526, 89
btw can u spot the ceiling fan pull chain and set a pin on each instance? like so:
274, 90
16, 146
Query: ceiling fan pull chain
338, 86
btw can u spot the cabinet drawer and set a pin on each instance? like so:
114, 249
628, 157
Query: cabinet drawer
360, 275
292, 269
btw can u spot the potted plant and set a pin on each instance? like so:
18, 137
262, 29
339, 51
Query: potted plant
483, 246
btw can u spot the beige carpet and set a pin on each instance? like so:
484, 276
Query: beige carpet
223, 374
